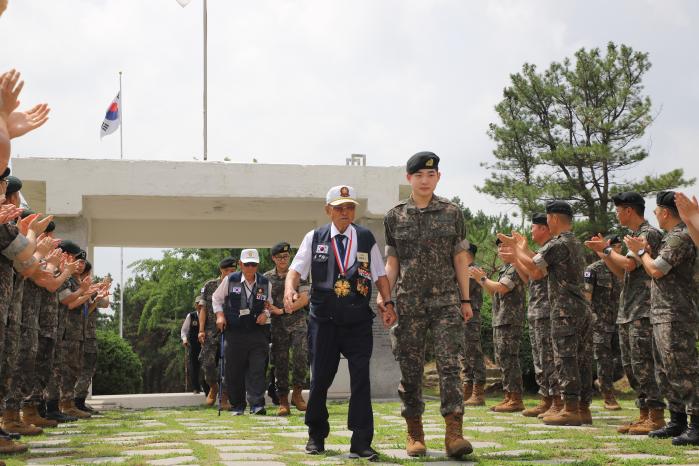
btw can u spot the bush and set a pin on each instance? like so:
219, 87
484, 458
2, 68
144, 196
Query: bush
119, 369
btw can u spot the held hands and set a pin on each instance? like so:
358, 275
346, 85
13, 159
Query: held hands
290, 297
201, 336
261, 319
388, 313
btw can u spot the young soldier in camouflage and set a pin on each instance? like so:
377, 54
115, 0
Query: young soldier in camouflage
426, 261
508, 324
673, 314
561, 260
602, 289
289, 332
635, 329
472, 358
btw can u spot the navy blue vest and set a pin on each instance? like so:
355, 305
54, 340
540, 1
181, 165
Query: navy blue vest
193, 327
237, 295
325, 304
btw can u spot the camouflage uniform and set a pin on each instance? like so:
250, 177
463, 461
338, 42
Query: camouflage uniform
55, 384
425, 242
89, 363
635, 329
508, 325
539, 318
6, 285
48, 329
13, 332
472, 358
289, 331
71, 355
675, 322
23, 371
571, 331
605, 289
210, 349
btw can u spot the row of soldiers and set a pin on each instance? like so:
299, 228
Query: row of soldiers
646, 298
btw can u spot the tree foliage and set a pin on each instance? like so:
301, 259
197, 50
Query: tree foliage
119, 369
572, 132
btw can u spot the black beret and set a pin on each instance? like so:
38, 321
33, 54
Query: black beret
6, 173
666, 199
539, 219
422, 160
614, 239
473, 249
227, 263
88, 266
27, 212
630, 198
50, 227
559, 207
280, 247
70, 247
14, 184
498, 241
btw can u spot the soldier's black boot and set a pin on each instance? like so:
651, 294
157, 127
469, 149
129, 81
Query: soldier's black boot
82, 406
674, 428
691, 435
41, 407
52, 412
272, 392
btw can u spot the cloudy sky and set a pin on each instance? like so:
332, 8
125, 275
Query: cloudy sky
311, 82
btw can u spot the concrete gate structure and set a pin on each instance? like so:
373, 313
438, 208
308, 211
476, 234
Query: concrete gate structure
138, 203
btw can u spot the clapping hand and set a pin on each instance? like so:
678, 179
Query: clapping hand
688, 209
20, 123
10, 87
597, 243
635, 244
9, 212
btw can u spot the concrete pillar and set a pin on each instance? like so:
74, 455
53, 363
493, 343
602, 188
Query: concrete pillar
75, 229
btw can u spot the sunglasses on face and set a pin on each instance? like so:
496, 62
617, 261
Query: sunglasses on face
249, 264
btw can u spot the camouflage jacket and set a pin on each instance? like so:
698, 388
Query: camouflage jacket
635, 294
672, 295
605, 288
508, 309
206, 293
475, 292
277, 280
425, 242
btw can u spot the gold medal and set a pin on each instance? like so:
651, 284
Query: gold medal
342, 287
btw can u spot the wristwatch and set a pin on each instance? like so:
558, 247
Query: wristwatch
641, 252
386, 303
607, 251
465, 301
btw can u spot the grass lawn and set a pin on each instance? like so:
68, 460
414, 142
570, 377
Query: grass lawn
200, 436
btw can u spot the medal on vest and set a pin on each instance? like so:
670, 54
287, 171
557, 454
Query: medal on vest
342, 285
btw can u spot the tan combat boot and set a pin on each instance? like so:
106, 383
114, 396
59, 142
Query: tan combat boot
610, 402
213, 393
8, 447
297, 398
513, 405
455, 444
503, 402
30, 415
654, 421
415, 442
13, 424
284, 409
543, 406
585, 413
69, 409
556, 407
468, 391
568, 416
643, 415
477, 396
225, 402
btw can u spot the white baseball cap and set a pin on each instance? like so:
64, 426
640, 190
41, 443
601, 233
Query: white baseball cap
340, 195
249, 255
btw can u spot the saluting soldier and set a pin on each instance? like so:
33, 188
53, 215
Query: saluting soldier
426, 261
472, 358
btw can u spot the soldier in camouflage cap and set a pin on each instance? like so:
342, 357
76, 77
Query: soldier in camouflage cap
472, 358
426, 261
673, 314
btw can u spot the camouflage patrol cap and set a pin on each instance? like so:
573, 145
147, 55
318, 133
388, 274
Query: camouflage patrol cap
666, 199
539, 219
422, 160
280, 247
559, 207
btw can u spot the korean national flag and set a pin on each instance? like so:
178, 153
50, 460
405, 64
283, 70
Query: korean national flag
112, 119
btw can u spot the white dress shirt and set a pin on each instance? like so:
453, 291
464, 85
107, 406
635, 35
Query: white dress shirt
304, 256
184, 331
219, 296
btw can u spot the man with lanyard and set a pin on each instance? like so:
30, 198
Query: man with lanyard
343, 260
241, 303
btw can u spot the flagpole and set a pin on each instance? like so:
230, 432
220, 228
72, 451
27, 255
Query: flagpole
121, 249
205, 29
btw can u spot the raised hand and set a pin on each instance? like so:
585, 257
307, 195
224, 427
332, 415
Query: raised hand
20, 123
597, 243
39, 226
635, 244
476, 272
10, 87
54, 257
23, 225
44, 246
688, 209
9, 212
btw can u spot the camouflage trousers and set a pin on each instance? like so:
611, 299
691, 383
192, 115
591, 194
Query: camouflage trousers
571, 339
12, 339
43, 368
70, 365
409, 339
472, 359
506, 343
87, 371
23, 371
677, 366
292, 340
542, 357
208, 357
603, 343
636, 343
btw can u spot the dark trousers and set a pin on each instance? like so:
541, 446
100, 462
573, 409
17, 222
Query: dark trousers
194, 366
246, 352
326, 342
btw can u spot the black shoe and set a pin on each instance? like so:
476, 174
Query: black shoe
689, 436
272, 393
82, 406
315, 446
53, 413
41, 407
674, 428
366, 453
9, 435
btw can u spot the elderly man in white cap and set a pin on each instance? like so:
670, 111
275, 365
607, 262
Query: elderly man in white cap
241, 303
344, 261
